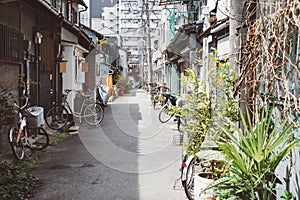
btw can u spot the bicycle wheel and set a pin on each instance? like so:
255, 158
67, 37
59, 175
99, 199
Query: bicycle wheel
39, 138
93, 114
164, 115
57, 117
16, 146
188, 184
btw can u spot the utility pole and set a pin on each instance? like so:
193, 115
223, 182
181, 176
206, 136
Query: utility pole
205, 11
150, 70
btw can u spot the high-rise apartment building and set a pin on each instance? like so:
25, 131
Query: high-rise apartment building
132, 24
96, 10
128, 18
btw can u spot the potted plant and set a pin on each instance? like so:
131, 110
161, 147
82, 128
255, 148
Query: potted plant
209, 171
207, 104
252, 155
123, 84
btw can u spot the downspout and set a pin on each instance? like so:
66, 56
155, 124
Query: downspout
79, 13
38, 41
20, 15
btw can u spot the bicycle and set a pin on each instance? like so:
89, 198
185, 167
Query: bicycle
58, 116
197, 164
153, 93
165, 114
27, 130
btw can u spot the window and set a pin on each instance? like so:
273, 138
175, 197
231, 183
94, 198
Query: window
53, 3
64, 9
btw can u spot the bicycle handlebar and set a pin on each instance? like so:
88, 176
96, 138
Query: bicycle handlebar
70, 90
24, 106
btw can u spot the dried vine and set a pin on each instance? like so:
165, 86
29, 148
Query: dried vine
269, 63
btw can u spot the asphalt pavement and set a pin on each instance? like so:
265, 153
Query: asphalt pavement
130, 156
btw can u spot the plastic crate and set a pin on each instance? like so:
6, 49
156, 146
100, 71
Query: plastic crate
36, 119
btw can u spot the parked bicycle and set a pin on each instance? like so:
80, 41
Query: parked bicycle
171, 108
192, 165
166, 113
153, 92
58, 116
27, 130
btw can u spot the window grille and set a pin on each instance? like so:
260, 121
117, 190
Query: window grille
11, 44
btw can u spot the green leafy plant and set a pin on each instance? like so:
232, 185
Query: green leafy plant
287, 195
15, 181
208, 103
197, 108
123, 83
174, 110
252, 154
59, 137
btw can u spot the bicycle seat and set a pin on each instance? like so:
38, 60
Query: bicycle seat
172, 98
68, 90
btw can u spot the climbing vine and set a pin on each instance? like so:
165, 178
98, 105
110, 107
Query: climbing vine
269, 69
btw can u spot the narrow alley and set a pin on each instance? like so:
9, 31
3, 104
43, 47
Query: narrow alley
131, 156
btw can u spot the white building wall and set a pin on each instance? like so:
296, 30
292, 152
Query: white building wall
69, 77
223, 50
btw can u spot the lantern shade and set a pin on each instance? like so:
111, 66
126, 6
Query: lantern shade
85, 67
62, 67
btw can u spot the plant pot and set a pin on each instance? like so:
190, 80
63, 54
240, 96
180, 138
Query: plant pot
200, 184
121, 92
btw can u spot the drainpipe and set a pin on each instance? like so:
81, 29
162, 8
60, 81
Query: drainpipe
38, 42
85, 9
205, 11
83, 4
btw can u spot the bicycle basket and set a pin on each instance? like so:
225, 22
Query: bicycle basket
35, 117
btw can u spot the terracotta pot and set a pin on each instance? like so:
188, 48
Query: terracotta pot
120, 92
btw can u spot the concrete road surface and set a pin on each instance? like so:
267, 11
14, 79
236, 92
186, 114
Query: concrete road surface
130, 156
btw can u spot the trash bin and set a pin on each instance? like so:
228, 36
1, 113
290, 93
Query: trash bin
37, 118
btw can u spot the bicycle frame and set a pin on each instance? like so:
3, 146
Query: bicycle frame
79, 114
22, 125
